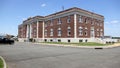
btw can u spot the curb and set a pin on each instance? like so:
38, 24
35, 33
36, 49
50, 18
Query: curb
4, 63
93, 47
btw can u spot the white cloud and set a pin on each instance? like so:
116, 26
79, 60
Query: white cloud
24, 19
43, 5
113, 22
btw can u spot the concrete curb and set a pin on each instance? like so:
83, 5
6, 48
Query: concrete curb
4, 63
93, 47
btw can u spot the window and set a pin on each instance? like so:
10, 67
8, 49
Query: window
68, 20
45, 40
86, 33
86, 20
80, 19
101, 30
68, 40
80, 31
86, 40
92, 23
59, 21
69, 31
51, 32
86, 28
51, 22
101, 24
101, 34
80, 40
46, 24
45, 32
97, 33
51, 40
97, 23
59, 40
34, 32
97, 29
59, 32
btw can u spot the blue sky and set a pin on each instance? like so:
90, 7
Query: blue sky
13, 12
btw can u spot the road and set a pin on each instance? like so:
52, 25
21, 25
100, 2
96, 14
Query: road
29, 55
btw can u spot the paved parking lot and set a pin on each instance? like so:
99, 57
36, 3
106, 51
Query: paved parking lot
29, 55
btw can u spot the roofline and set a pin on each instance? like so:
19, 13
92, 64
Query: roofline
74, 8
64, 11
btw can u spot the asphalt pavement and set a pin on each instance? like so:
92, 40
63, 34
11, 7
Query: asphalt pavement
29, 55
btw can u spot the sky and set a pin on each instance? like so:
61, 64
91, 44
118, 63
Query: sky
14, 12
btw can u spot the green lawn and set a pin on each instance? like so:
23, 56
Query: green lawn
1, 63
77, 44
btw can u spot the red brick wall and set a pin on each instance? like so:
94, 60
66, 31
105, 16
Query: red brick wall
63, 27
89, 25
40, 29
34, 30
22, 31
19, 32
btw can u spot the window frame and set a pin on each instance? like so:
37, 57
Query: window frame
59, 31
80, 19
59, 21
51, 32
80, 31
68, 19
69, 31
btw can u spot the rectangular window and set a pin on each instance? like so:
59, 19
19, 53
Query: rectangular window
51, 22
101, 30
45, 32
86, 21
59, 40
68, 20
46, 24
45, 40
69, 31
92, 23
80, 19
80, 40
101, 34
101, 24
51, 32
86, 33
59, 32
97, 33
98, 23
59, 21
80, 31
86, 28
51, 40
97, 29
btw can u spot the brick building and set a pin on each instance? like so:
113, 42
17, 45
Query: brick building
71, 25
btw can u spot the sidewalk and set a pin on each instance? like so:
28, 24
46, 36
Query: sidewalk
101, 47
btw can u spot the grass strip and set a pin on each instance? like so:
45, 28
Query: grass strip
77, 44
1, 63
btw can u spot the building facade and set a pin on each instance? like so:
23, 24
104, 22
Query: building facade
71, 25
